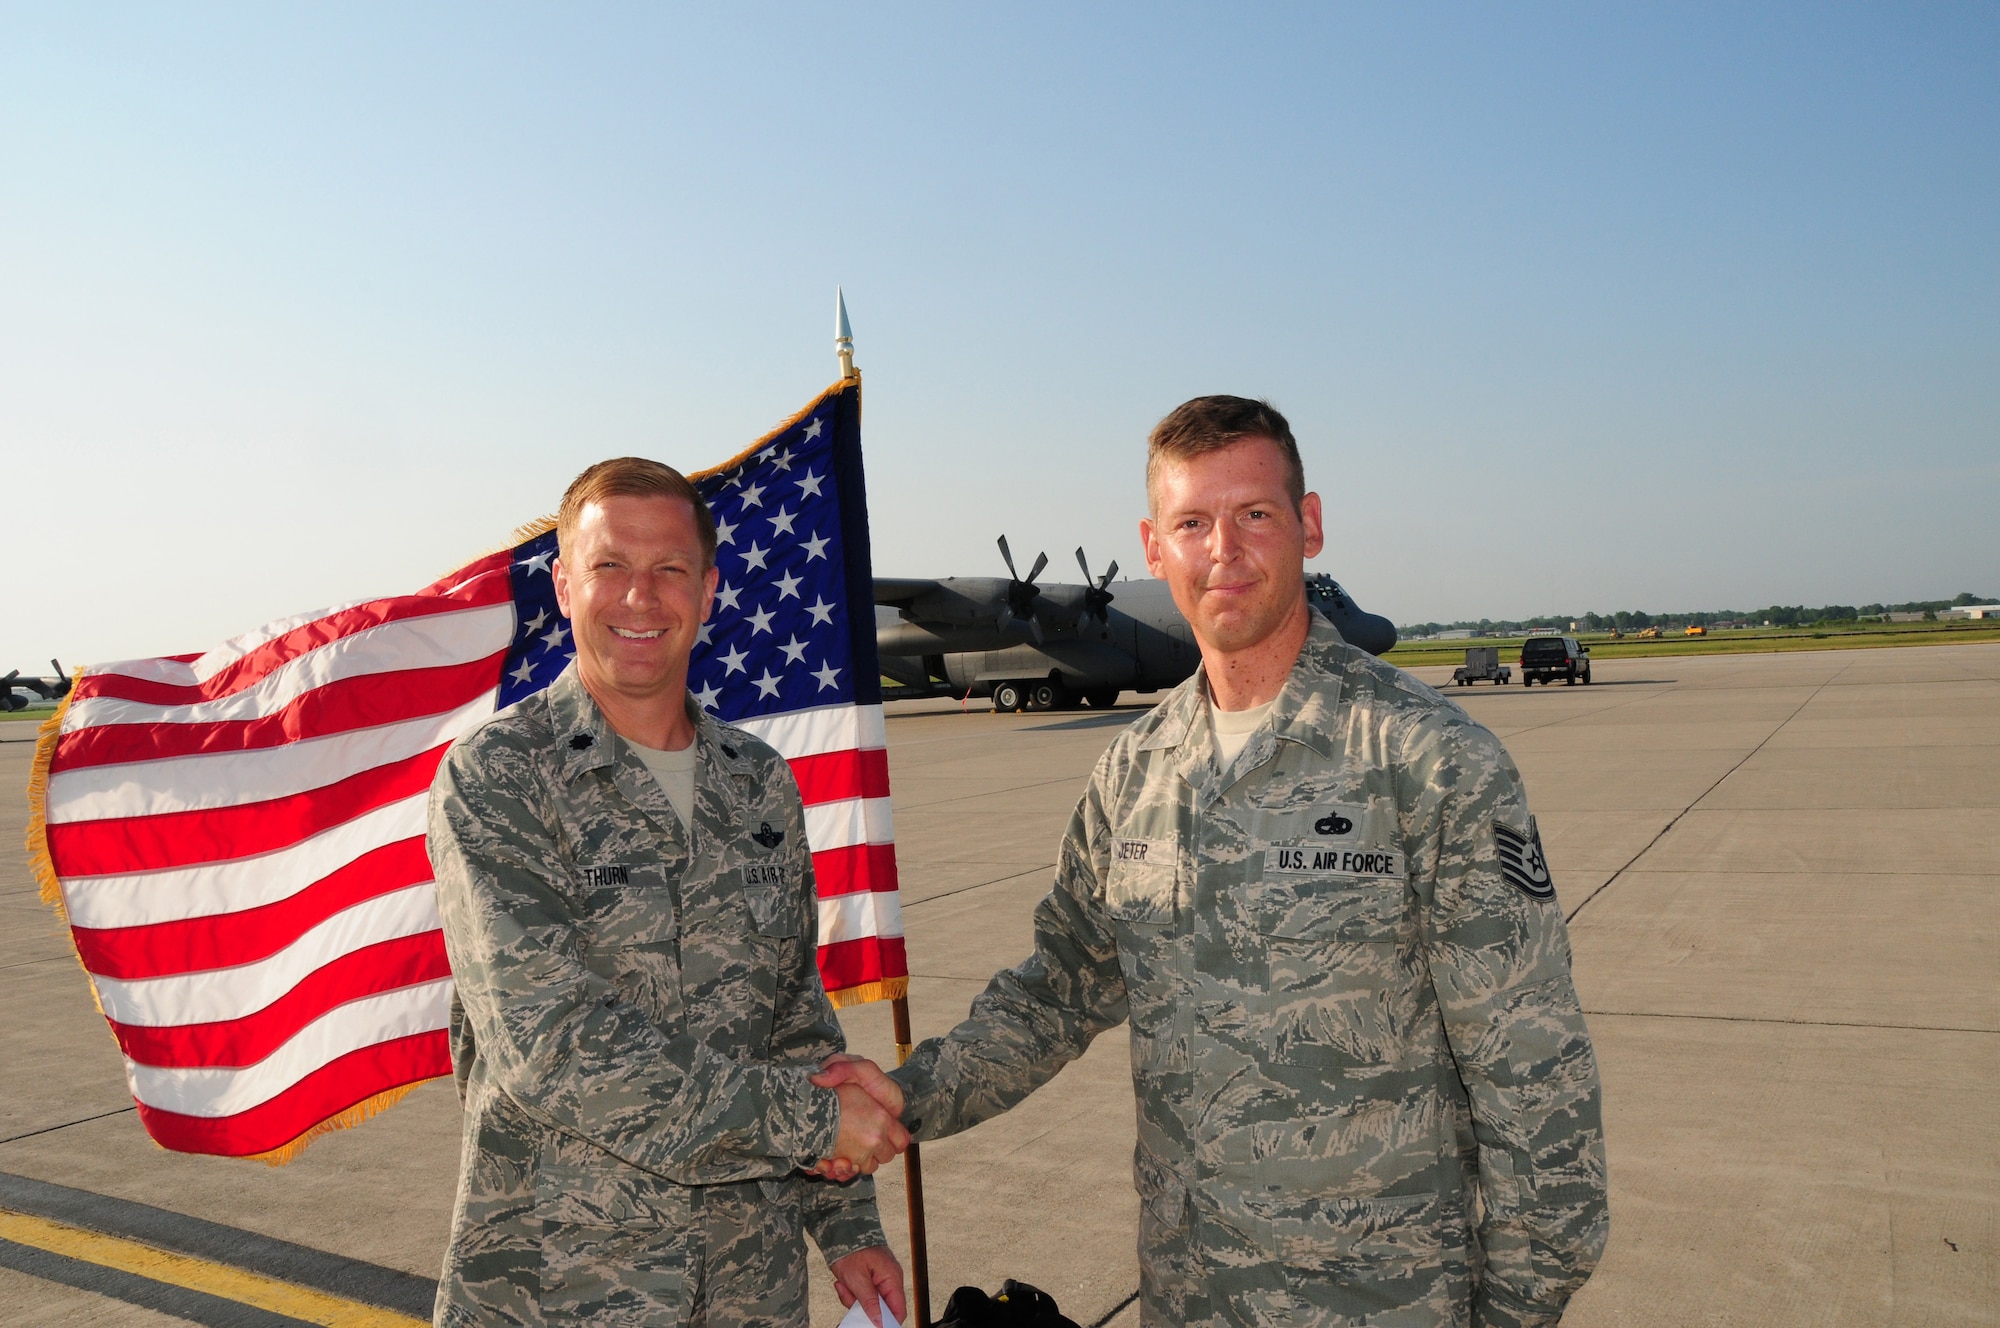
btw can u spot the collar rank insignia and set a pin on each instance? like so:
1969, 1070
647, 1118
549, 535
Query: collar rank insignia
768, 837
1521, 860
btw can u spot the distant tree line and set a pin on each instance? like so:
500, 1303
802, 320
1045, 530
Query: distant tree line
1633, 620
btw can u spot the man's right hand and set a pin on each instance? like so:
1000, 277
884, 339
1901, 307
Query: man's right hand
870, 1102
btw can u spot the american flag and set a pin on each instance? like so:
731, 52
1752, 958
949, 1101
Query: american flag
236, 838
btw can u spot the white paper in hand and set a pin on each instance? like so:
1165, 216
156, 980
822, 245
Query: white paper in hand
856, 1317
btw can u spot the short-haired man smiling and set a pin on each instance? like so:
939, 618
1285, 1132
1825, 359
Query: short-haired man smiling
1366, 1094
627, 898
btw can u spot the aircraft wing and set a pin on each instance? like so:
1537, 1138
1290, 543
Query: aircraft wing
902, 591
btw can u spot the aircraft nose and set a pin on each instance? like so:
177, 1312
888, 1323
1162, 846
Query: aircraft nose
1371, 632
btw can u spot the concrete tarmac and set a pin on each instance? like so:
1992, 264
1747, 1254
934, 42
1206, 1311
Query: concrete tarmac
1786, 915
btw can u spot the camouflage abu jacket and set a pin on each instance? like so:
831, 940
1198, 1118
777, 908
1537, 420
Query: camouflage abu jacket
636, 1015
1365, 1090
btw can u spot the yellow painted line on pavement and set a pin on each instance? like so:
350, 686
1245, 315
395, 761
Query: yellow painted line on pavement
181, 1270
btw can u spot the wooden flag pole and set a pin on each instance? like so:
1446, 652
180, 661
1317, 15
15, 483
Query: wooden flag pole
913, 1178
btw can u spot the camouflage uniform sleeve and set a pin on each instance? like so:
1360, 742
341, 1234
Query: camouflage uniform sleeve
1500, 960
841, 1219
1036, 1017
557, 1038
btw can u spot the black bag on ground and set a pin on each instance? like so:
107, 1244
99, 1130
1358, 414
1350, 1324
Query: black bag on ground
1017, 1306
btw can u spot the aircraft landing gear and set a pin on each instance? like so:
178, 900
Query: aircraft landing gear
1045, 696
1006, 697
1101, 698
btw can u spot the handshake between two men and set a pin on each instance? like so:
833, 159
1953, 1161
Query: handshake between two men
871, 1109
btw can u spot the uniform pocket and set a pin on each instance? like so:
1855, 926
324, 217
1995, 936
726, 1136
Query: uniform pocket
627, 904
774, 911
1141, 888
1321, 908
613, 1244
1386, 1261
1341, 979
631, 938
1165, 1234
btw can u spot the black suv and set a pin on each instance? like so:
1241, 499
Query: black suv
1546, 658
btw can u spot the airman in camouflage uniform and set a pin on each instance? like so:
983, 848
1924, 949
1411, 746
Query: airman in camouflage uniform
1346, 1019
1366, 1095
639, 1016
638, 1012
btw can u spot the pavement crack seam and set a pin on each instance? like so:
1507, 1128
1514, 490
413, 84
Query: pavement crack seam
1804, 1023
1780, 728
992, 793
51, 1129
1114, 1311
997, 881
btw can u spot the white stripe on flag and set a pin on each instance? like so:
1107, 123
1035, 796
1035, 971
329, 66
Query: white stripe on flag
848, 822
207, 996
834, 728
230, 779
858, 916
236, 647
211, 1092
432, 641
227, 887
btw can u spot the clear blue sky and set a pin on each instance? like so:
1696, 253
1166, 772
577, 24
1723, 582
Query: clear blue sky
1571, 307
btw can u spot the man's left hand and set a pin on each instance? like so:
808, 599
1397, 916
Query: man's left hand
871, 1276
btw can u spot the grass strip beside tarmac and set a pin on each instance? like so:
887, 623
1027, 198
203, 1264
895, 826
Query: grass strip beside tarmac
1738, 641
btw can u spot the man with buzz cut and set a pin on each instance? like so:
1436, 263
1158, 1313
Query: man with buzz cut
628, 905
1366, 1095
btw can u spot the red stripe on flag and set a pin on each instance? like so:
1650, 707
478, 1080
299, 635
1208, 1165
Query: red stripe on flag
232, 1043
127, 844
259, 663
341, 706
477, 567
858, 962
326, 1092
854, 870
226, 940
837, 776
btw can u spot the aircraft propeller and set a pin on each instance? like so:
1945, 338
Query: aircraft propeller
1021, 595
1096, 599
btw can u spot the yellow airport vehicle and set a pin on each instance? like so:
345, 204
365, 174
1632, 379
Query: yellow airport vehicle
1697, 631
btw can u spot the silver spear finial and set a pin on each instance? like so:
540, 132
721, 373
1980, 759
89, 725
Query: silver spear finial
843, 336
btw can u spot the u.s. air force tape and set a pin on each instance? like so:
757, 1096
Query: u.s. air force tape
1308, 860
1521, 860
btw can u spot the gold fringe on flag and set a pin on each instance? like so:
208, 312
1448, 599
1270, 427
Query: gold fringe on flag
887, 989
346, 1120
543, 525
794, 418
39, 860
51, 886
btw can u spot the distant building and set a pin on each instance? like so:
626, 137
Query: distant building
1456, 634
1971, 611
1904, 617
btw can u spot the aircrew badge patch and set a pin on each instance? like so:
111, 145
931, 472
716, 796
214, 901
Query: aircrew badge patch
1521, 860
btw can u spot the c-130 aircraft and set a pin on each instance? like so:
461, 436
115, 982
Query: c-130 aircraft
49, 689
1048, 647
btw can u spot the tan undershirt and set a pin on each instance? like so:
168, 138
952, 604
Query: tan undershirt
1232, 729
675, 772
